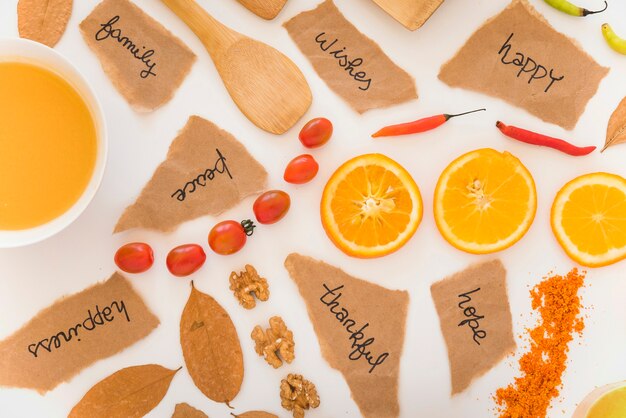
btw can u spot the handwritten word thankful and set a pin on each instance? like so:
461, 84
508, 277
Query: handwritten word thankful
527, 65
342, 60
359, 347
201, 180
101, 317
142, 54
470, 312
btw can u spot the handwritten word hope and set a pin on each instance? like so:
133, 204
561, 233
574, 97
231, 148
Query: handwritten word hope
527, 65
99, 318
473, 318
107, 31
360, 347
201, 180
344, 62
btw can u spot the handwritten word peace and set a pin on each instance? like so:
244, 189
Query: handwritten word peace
201, 180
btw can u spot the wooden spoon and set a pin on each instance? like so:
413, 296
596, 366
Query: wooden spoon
266, 85
267, 9
411, 13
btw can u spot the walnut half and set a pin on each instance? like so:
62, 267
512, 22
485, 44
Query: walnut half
277, 339
248, 284
298, 394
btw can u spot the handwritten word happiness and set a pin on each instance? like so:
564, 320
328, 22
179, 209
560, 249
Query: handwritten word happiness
344, 62
201, 180
359, 347
473, 318
527, 65
99, 318
142, 54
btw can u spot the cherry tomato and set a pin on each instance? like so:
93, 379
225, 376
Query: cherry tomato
316, 132
227, 237
185, 259
271, 206
135, 257
301, 169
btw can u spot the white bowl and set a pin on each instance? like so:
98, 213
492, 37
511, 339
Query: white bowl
23, 50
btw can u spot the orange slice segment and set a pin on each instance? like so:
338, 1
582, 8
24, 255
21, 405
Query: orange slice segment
370, 206
589, 219
485, 201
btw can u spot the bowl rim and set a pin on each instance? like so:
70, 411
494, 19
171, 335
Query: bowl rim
13, 49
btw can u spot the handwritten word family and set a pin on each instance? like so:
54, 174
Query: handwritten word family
473, 319
360, 345
343, 61
201, 180
93, 320
144, 55
527, 65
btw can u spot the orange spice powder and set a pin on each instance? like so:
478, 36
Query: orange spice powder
557, 301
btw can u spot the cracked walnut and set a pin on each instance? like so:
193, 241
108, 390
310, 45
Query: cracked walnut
248, 284
277, 339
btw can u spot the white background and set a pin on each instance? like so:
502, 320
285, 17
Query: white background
33, 277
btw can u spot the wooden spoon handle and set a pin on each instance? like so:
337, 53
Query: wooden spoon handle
213, 34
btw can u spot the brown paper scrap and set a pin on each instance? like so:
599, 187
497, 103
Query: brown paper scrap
352, 64
475, 320
360, 327
73, 333
184, 410
519, 57
206, 172
145, 62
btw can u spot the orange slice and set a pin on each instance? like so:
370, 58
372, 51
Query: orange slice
589, 219
485, 201
370, 206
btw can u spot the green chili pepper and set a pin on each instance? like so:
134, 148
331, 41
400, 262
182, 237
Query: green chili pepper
571, 9
618, 44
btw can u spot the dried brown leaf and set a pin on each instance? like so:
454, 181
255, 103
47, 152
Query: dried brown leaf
128, 393
616, 129
255, 414
211, 347
184, 410
43, 20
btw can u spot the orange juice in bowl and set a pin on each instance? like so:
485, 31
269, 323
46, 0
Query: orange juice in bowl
52, 142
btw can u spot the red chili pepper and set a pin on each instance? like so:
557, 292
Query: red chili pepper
534, 138
420, 125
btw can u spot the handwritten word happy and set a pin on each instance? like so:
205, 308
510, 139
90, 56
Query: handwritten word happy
100, 318
359, 347
342, 60
208, 174
470, 312
107, 31
527, 65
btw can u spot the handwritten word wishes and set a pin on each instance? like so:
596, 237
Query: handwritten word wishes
349, 65
360, 345
144, 55
472, 318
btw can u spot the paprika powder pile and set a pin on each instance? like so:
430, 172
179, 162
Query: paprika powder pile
558, 304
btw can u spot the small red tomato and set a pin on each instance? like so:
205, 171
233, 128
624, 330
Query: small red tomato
227, 237
316, 132
185, 259
135, 257
271, 206
301, 169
